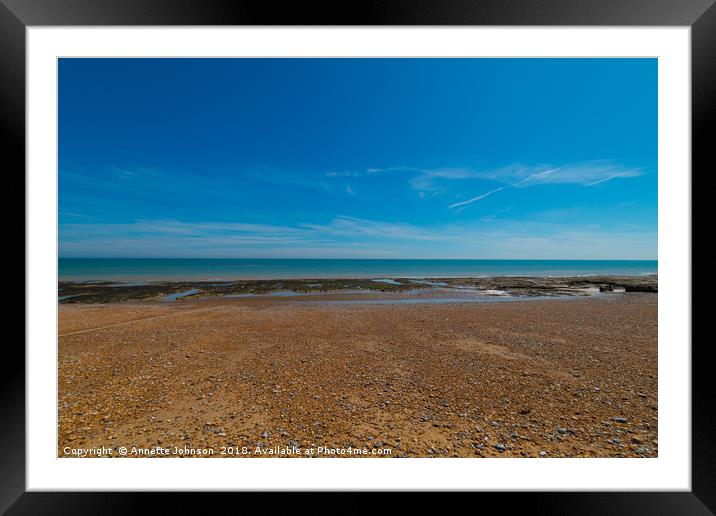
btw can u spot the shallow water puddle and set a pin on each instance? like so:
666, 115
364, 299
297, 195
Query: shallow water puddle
179, 295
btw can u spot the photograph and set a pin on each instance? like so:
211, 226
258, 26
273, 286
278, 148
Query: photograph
394, 257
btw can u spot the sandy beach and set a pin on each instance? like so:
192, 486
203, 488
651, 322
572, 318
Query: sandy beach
278, 376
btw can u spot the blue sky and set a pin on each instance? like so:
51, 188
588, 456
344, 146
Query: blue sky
358, 158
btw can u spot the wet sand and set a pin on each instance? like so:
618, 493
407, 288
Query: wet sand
268, 376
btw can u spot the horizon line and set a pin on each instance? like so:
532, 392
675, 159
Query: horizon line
362, 259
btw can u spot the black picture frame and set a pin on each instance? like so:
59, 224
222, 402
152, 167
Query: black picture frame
17, 15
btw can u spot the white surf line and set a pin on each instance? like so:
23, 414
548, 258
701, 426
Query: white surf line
133, 321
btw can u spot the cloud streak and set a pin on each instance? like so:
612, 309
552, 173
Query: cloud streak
474, 199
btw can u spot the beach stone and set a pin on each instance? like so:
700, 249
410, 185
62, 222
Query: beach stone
617, 419
500, 447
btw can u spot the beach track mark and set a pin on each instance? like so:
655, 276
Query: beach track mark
124, 323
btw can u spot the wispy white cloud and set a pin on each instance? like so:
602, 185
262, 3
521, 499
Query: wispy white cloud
537, 177
588, 173
615, 175
351, 227
474, 199
431, 180
345, 237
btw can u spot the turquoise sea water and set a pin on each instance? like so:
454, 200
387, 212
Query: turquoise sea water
158, 269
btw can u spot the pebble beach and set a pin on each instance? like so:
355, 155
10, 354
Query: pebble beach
293, 377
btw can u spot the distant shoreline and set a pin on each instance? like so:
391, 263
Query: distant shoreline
514, 286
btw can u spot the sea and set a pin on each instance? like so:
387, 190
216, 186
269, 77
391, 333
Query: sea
225, 269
